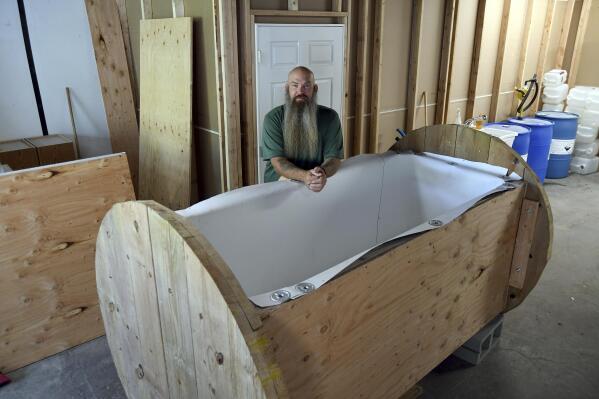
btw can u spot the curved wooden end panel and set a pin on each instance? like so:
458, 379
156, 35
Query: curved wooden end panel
177, 323
535, 232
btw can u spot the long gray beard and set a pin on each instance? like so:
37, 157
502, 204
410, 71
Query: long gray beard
300, 130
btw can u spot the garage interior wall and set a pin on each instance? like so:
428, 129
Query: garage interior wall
395, 61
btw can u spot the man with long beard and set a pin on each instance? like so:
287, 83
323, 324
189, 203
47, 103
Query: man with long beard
301, 140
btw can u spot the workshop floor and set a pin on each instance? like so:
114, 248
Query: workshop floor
549, 346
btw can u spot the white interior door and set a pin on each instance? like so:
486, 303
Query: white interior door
281, 47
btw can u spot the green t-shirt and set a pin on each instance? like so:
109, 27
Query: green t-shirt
330, 140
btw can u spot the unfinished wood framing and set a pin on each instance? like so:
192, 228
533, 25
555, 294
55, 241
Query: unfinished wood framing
51, 216
229, 108
474, 67
446, 60
377, 64
166, 111
337, 5
113, 71
523, 51
415, 35
122, 6
360, 136
178, 8
580, 33
505, 19
285, 13
543, 49
524, 238
348, 140
563, 40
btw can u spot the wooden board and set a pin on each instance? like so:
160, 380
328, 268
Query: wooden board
53, 148
113, 71
477, 146
543, 49
577, 52
505, 18
166, 111
415, 35
360, 135
449, 20
170, 311
523, 51
524, 238
49, 219
377, 65
563, 40
376, 331
18, 154
474, 66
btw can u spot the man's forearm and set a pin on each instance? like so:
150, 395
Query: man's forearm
285, 168
330, 166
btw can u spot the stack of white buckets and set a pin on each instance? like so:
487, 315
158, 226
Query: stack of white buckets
555, 90
584, 101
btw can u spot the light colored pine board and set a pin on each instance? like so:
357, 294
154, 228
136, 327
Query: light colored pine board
563, 40
441, 139
226, 24
524, 238
208, 347
360, 135
472, 147
122, 6
432, 294
376, 76
166, 111
580, 33
337, 5
476, 47
348, 140
501, 154
113, 72
505, 19
127, 292
544, 48
50, 218
446, 60
523, 50
222, 145
413, 69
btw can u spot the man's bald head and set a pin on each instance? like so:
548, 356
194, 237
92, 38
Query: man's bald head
300, 84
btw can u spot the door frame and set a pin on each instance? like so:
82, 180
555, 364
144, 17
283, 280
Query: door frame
343, 110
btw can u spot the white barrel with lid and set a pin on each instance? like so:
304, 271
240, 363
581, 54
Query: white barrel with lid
586, 150
555, 94
506, 136
584, 166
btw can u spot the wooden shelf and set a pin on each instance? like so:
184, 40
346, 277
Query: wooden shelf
286, 13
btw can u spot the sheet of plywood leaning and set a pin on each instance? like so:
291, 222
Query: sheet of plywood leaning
165, 111
49, 220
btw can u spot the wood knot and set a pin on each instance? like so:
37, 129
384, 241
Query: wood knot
220, 358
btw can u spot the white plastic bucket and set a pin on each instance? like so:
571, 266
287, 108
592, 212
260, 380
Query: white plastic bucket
578, 96
504, 135
553, 107
590, 118
555, 77
586, 134
586, 150
584, 166
575, 110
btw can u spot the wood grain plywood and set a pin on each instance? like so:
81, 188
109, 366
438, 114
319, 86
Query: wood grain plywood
376, 331
165, 111
49, 219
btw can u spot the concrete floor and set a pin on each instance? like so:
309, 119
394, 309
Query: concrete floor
549, 346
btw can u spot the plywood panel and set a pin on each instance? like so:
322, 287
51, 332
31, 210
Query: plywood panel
460, 274
50, 218
111, 60
165, 111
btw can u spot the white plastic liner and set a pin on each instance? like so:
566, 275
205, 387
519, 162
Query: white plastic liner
277, 235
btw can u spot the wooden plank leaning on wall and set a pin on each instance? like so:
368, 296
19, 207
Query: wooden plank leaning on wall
52, 214
447, 45
228, 89
377, 65
505, 19
523, 50
544, 48
478, 35
360, 136
563, 39
414, 62
113, 71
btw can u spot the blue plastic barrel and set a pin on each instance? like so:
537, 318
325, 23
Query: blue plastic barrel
562, 144
541, 133
522, 141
